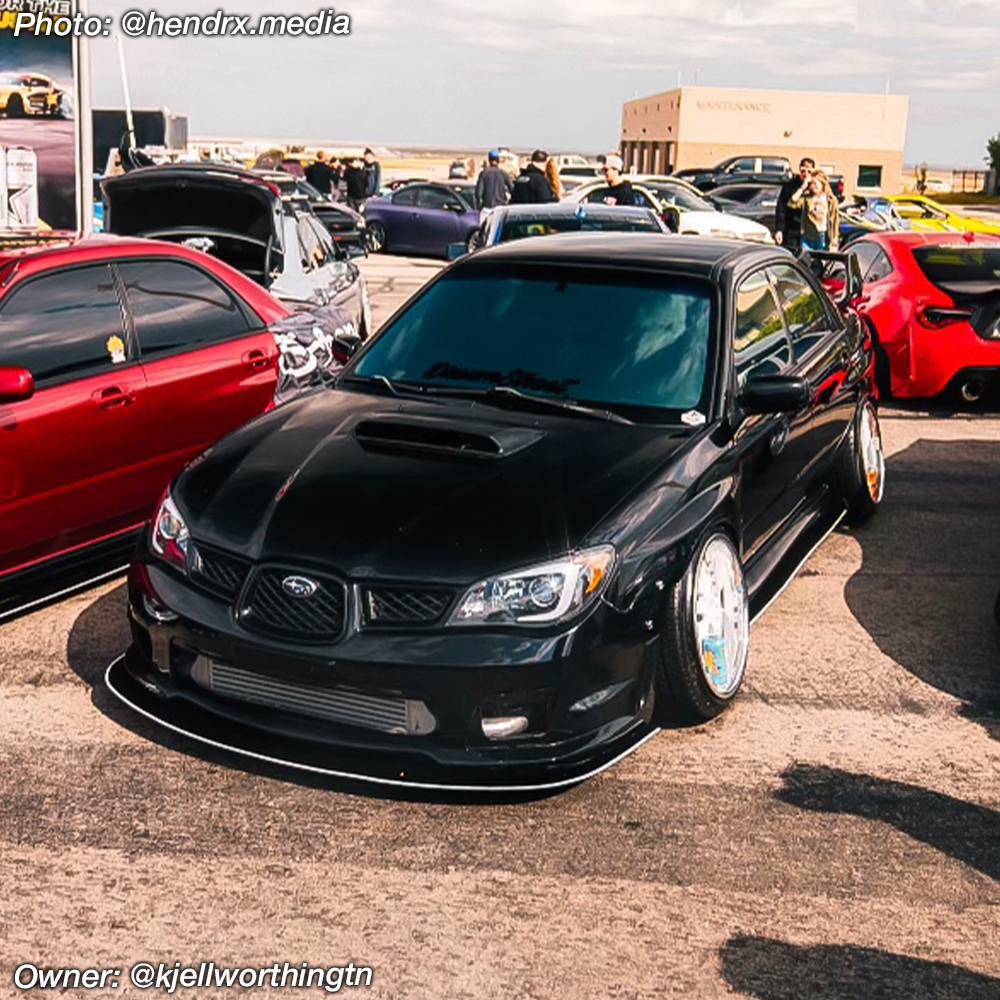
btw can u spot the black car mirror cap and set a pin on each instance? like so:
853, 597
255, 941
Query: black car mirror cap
455, 250
775, 394
16, 384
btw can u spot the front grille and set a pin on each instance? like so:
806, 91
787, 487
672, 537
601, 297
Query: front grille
269, 609
383, 713
218, 571
397, 606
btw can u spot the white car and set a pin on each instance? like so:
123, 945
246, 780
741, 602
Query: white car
697, 216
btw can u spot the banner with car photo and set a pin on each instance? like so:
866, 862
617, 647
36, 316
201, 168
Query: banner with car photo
38, 130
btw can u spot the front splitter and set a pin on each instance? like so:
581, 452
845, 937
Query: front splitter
405, 770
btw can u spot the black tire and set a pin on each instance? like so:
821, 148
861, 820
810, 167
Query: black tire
15, 106
472, 241
861, 472
376, 237
881, 364
996, 609
682, 690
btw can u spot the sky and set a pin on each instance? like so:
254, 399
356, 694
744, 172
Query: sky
554, 73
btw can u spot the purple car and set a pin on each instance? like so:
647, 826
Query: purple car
423, 218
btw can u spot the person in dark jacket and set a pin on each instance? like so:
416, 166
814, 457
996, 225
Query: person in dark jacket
356, 179
373, 170
494, 185
619, 190
320, 174
531, 187
788, 221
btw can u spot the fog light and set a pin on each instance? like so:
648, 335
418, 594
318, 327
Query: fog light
502, 727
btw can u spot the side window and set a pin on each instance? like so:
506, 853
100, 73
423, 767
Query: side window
866, 254
177, 307
881, 267
64, 325
408, 196
429, 197
774, 165
805, 315
745, 163
761, 345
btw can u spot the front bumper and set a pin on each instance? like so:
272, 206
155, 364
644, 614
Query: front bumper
390, 707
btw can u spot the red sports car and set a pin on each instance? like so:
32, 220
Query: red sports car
932, 301
120, 360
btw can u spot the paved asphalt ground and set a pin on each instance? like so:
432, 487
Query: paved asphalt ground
835, 836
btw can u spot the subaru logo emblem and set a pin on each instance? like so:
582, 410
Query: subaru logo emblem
298, 586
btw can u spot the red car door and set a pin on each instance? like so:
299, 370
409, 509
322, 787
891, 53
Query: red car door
209, 361
68, 454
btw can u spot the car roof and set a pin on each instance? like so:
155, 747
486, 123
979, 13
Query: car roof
668, 253
910, 238
560, 209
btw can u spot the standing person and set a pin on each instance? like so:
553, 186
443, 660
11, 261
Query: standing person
531, 187
493, 186
337, 175
357, 180
619, 190
319, 174
787, 222
554, 181
373, 171
818, 211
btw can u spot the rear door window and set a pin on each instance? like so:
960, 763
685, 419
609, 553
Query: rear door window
64, 325
761, 344
176, 306
805, 315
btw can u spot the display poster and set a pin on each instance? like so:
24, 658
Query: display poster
39, 134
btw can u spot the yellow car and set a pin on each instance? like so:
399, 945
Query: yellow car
926, 215
29, 94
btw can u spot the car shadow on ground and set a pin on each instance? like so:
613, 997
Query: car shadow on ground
926, 589
776, 970
100, 635
963, 830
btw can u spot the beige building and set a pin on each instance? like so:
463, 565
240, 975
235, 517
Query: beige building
858, 135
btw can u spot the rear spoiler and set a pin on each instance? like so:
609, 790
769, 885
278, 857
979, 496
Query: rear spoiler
840, 273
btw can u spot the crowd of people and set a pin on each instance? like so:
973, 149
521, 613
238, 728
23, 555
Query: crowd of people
360, 177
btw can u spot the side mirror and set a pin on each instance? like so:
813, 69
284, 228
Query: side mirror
16, 384
775, 394
455, 250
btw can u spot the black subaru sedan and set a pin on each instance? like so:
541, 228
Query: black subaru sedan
533, 518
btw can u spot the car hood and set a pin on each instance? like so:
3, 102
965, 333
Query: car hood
384, 487
721, 224
163, 200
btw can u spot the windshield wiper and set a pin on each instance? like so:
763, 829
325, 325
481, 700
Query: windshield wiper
393, 387
509, 392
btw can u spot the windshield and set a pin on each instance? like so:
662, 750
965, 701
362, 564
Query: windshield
948, 263
518, 228
639, 342
679, 197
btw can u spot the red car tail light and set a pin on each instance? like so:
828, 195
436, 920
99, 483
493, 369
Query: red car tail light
934, 317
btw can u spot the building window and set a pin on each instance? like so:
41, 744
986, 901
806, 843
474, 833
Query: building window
869, 177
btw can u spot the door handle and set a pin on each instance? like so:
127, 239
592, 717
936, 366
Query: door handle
255, 359
112, 397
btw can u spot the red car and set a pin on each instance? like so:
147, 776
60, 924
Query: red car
120, 360
932, 301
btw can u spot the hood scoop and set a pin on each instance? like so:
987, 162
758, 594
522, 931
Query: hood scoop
432, 436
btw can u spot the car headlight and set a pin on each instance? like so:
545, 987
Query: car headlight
545, 593
168, 536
